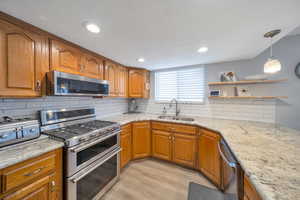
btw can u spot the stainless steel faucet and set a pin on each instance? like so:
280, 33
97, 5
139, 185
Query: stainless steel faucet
177, 111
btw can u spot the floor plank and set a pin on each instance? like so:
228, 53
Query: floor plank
151, 179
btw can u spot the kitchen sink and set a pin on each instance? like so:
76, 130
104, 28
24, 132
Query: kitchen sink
176, 118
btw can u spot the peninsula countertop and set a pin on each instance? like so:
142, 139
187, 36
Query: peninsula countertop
269, 154
23, 151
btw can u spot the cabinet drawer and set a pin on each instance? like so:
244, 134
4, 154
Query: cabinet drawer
24, 172
178, 128
210, 134
126, 129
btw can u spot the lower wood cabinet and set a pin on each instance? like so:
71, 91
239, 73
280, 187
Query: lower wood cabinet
162, 144
209, 157
141, 139
249, 190
184, 149
174, 142
38, 178
126, 146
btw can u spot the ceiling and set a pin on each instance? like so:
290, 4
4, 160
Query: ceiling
167, 33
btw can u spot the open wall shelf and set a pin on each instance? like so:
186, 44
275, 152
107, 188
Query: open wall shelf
249, 97
247, 82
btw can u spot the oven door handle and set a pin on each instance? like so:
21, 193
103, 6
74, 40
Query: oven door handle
84, 146
89, 169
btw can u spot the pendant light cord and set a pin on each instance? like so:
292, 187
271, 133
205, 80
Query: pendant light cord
271, 47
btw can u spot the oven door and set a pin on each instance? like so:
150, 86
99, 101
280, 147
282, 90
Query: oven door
82, 155
93, 181
65, 84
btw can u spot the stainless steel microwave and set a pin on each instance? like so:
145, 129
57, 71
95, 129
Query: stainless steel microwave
66, 84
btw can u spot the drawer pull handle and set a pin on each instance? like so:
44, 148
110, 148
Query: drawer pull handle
34, 172
53, 186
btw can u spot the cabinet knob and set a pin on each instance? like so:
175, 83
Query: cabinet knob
38, 85
53, 186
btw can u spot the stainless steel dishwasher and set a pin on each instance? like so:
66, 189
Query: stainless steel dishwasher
231, 180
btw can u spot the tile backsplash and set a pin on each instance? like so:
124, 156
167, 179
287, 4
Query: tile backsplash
29, 107
251, 110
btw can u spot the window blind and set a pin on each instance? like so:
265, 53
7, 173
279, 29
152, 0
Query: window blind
183, 84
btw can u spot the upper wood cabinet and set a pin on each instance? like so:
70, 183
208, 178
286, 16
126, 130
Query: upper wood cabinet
111, 74
125, 143
122, 81
117, 76
209, 157
138, 83
65, 58
141, 139
23, 61
162, 144
92, 67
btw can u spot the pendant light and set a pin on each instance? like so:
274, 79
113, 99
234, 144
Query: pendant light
272, 65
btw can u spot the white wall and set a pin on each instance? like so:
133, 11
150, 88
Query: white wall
283, 111
30, 107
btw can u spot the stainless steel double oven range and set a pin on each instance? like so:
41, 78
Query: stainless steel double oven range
91, 152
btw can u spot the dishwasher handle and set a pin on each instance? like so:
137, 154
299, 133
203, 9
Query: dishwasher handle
229, 163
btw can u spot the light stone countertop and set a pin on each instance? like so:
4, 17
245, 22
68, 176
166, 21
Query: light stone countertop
270, 155
20, 152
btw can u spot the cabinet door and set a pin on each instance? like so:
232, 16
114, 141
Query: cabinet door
162, 144
65, 58
125, 145
42, 189
141, 140
111, 75
209, 157
92, 67
184, 149
122, 81
249, 191
146, 85
22, 61
136, 79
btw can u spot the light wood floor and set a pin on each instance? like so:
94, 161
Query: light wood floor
151, 179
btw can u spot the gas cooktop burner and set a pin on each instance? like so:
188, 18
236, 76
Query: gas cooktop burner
80, 130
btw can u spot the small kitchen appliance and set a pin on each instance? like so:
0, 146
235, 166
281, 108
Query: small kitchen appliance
16, 130
66, 84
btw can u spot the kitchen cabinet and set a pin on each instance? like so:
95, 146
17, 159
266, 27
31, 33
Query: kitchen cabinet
65, 58
249, 191
122, 81
184, 149
36, 178
126, 146
141, 139
162, 144
146, 84
23, 61
174, 142
41, 189
209, 161
117, 76
138, 83
92, 67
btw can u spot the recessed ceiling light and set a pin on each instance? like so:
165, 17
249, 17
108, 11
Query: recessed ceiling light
93, 28
203, 49
141, 60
